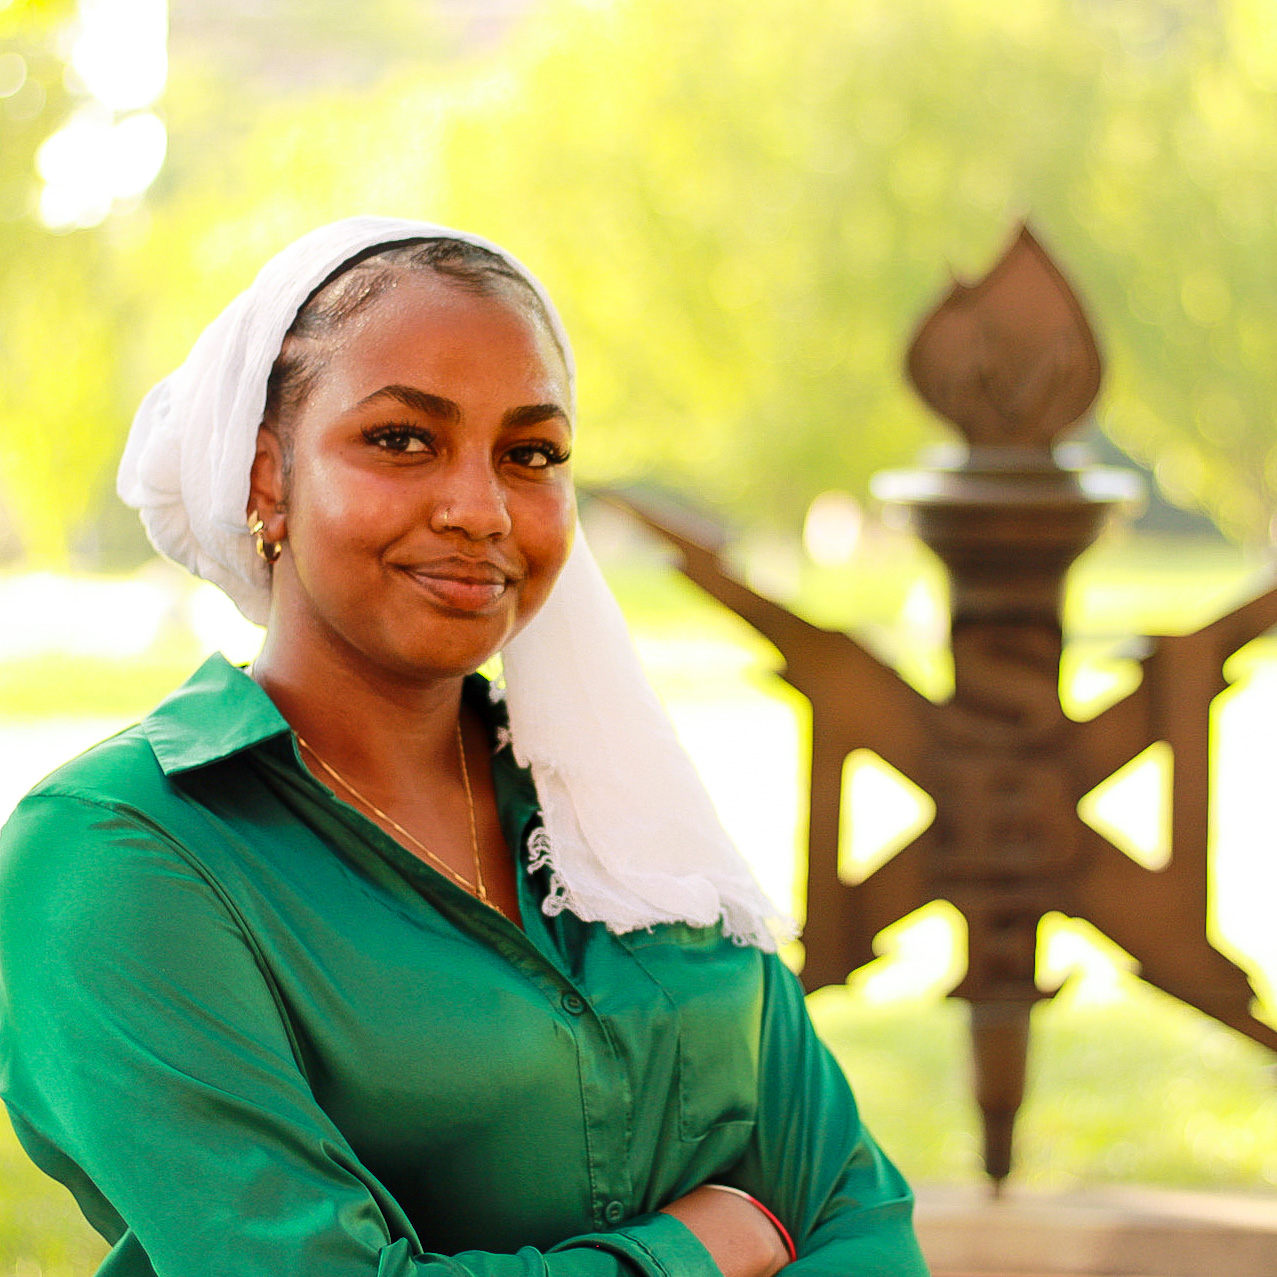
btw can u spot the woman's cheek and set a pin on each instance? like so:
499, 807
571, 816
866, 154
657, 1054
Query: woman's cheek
558, 523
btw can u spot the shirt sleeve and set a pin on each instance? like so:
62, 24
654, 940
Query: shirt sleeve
813, 1163
147, 1063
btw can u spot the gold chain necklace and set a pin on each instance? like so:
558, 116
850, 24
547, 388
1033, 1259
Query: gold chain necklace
478, 887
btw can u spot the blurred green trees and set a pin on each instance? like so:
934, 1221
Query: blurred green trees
741, 210
35, 269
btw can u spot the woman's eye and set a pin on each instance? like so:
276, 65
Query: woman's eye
538, 456
399, 438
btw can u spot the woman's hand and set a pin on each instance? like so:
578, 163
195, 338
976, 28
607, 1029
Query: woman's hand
739, 1237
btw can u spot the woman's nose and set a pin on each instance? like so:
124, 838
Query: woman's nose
472, 502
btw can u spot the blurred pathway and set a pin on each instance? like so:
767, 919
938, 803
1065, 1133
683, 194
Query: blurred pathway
1102, 1232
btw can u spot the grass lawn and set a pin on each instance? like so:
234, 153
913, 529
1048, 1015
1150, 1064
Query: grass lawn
42, 1233
1136, 1089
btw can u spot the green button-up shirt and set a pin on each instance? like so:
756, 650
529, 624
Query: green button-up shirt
256, 1037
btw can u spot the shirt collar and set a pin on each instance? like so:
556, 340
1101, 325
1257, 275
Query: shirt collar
217, 712
220, 711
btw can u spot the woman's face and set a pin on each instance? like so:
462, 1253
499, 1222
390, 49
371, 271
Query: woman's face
429, 506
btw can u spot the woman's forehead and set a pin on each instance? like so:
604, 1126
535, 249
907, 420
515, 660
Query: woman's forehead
429, 326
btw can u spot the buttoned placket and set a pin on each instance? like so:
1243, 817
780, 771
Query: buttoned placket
605, 1089
606, 1097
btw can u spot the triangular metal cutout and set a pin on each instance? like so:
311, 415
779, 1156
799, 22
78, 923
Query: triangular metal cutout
1132, 808
883, 811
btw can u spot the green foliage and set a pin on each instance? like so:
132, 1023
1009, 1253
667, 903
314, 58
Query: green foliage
743, 218
28, 114
59, 409
743, 213
59, 327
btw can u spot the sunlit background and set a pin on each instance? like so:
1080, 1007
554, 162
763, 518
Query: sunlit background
742, 211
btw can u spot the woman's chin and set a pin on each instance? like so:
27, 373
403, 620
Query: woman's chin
451, 651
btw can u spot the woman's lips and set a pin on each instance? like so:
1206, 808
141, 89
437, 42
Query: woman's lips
461, 589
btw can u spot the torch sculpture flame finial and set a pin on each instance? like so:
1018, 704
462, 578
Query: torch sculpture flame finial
1011, 360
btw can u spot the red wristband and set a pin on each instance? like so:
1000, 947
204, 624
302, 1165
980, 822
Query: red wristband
775, 1223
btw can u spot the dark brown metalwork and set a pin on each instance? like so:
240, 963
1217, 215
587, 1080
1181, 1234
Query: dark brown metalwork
1011, 362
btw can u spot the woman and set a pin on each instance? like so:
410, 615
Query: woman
330, 967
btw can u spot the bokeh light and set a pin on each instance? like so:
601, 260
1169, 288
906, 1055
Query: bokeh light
121, 53
110, 150
13, 73
832, 528
93, 161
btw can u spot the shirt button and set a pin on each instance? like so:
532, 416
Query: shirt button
574, 1004
614, 1212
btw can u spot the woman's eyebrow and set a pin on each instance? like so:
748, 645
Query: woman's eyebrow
419, 400
534, 414
446, 410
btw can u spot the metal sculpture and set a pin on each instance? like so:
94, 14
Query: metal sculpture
1012, 363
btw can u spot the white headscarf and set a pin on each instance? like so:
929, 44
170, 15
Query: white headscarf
631, 836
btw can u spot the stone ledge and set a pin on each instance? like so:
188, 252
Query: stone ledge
1100, 1232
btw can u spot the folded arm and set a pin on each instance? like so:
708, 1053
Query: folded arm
813, 1163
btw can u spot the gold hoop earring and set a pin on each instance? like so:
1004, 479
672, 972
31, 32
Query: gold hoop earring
268, 551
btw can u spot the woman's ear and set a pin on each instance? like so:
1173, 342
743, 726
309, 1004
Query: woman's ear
266, 485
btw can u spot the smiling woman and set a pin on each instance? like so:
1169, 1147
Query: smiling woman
425, 485
350, 963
